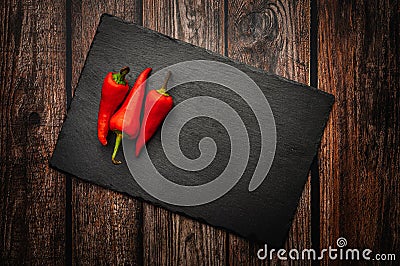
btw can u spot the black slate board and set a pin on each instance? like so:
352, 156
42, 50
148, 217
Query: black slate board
300, 113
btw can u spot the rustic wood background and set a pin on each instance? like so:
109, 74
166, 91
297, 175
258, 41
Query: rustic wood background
348, 48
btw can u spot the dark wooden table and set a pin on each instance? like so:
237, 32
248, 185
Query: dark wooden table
348, 48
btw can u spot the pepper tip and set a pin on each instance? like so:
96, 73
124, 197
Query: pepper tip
103, 142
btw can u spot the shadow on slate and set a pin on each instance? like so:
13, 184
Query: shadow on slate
264, 215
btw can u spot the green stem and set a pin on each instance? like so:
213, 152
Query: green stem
116, 146
163, 89
119, 78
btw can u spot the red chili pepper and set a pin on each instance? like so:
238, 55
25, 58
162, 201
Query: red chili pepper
157, 106
113, 93
131, 126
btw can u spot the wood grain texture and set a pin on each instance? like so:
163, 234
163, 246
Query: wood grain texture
106, 224
171, 239
359, 157
272, 35
32, 196
359, 58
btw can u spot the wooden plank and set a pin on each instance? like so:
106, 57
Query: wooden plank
32, 195
359, 58
272, 35
106, 225
171, 239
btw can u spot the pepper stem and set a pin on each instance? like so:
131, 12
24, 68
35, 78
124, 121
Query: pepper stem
119, 78
116, 146
163, 89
